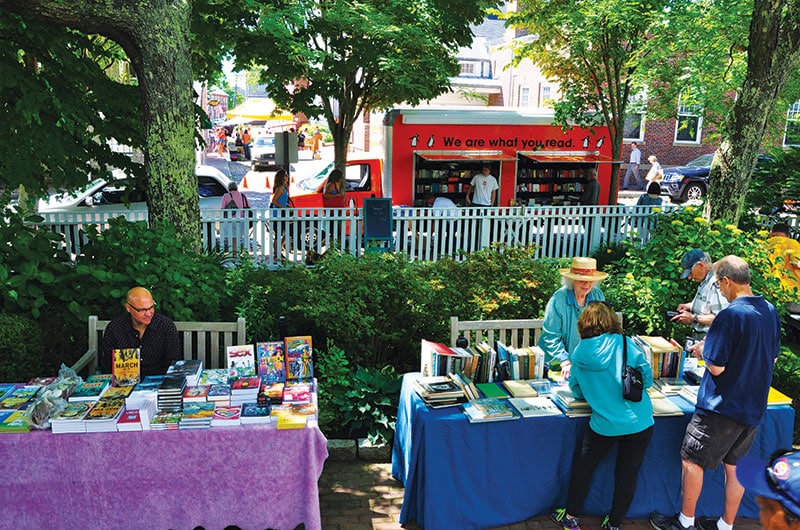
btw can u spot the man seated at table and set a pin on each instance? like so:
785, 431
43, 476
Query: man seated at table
141, 327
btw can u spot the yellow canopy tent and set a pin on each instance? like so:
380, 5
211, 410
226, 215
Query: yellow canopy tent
259, 109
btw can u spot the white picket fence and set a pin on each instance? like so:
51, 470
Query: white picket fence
301, 235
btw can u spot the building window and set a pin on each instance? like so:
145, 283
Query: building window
523, 96
545, 93
689, 123
791, 136
633, 130
467, 68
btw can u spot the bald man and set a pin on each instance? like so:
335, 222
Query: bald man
141, 327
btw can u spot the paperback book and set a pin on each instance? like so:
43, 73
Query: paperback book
19, 396
70, 418
15, 420
195, 394
240, 360
125, 366
191, 368
271, 361
131, 420
227, 416
488, 409
299, 358
88, 390
297, 393
253, 413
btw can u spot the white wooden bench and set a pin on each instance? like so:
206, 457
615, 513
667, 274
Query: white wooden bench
514, 333
206, 341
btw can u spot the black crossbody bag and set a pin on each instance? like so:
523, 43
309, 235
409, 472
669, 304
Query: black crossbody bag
632, 384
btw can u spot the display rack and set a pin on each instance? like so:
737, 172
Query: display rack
550, 183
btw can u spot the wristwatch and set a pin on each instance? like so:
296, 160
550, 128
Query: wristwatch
695, 321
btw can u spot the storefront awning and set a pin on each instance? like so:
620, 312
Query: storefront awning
461, 155
560, 157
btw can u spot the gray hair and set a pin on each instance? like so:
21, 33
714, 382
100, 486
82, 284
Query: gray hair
734, 268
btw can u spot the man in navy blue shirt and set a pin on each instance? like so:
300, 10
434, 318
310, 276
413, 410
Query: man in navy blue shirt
740, 351
141, 327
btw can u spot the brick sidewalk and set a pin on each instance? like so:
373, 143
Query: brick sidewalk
359, 495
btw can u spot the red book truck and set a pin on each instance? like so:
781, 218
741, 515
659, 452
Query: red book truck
439, 150
535, 162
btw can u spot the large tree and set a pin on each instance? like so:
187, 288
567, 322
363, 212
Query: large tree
155, 37
594, 50
338, 58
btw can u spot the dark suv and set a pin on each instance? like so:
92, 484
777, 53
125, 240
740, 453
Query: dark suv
690, 182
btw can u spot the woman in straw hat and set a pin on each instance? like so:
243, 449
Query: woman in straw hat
560, 328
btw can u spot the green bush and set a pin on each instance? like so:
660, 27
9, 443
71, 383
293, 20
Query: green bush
21, 349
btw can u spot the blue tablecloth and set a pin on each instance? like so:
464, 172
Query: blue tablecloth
462, 475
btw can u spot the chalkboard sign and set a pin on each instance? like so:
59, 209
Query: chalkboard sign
378, 219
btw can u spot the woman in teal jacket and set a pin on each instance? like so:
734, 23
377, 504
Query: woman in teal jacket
597, 377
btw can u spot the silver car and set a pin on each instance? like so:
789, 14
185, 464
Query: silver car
262, 152
103, 195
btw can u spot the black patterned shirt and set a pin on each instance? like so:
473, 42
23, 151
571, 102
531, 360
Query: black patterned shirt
159, 345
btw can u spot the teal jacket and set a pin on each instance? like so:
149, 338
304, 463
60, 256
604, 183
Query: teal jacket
596, 376
560, 327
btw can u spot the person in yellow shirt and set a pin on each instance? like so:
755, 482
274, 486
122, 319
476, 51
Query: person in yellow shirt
785, 258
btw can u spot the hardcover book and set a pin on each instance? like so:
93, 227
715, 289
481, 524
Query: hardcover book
271, 361
125, 366
489, 409
535, 406
240, 360
299, 358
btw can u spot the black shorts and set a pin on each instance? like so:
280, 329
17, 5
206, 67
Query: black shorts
712, 438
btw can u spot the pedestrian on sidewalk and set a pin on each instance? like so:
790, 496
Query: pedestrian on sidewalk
632, 173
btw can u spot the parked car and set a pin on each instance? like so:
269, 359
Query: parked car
690, 182
104, 195
262, 152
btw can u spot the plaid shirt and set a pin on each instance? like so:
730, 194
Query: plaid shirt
707, 300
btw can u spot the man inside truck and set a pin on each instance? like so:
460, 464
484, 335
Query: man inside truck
483, 188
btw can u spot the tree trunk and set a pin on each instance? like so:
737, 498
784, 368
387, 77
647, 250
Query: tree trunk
155, 36
772, 57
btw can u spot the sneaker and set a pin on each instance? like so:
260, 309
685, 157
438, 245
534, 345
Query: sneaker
663, 522
560, 518
608, 526
705, 523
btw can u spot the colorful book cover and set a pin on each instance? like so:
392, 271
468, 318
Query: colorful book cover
117, 392
240, 360
7, 388
291, 421
165, 419
198, 411
299, 358
132, 416
214, 376
254, 410
150, 382
105, 409
19, 396
196, 393
16, 421
125, 366
219, 392
270, 393
72, 411
227, 413
271, 361
100, 378
246, 383
297, 393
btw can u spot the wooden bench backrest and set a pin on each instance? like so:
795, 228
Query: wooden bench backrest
206, 341
514, 333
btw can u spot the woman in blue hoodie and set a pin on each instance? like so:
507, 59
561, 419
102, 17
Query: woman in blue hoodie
597, 377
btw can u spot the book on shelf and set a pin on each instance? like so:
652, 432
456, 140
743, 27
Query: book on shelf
430, 354
125, 366
492, 390
666, 357
488, 360
271, 361
299, 358
240, 360
535, 406
19, 396
520, 388
489, 409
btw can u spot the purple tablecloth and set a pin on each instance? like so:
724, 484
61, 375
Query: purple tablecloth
254, 477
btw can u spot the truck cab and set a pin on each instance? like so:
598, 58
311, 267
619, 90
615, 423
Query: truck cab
363, 178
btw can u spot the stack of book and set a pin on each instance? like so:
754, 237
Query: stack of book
103, 415
489, 409
170, 393
196, 394
297, 393
91, 389
245, 390
439, 391
196, 415
287, 419
520, 388
227, 416
131, 420
118, 392
70, 418
535, 406
270, 393
219, 394
165, 420
191, 368
15, 420
253, 413
7, 388
146, 390
572, 407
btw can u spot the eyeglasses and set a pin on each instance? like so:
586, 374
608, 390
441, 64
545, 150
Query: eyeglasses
716, 283
142, 309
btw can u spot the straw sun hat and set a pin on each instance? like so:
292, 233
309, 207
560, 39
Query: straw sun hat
583, 269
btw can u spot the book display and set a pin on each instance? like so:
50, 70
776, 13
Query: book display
103, 415
253, 413
240, 360
437, 359
550, 183
271, 361
19, 396
445, 179
439, 391
125, 366
299, 358
666, 357
12, 421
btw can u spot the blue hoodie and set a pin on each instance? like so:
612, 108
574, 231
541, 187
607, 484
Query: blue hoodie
596, 376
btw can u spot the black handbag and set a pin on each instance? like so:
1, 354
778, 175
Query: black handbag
632, 384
